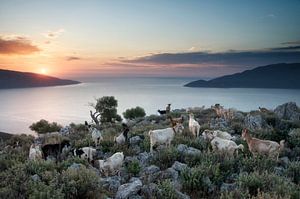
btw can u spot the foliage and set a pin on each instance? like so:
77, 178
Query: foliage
293, 171
43, 126
134, 167
294, 138
164, 158
134, 113
168, 190
107, 107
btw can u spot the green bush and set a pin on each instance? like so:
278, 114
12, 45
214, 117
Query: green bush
260, 163
267, 182
134, 167
168, 190
294, 138
166, 157
80, 183
134, 113
43, 126
293, 171
39, 190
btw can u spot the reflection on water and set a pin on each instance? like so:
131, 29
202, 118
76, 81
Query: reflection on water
21, 107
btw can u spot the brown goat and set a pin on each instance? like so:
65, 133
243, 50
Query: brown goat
262, 147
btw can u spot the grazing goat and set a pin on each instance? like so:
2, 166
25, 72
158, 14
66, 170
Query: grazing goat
123, 137
164, 136
224, 145
223, 113
111, 164
208, 134
96, 134
35, 152
262, 147
85, 153
194, 126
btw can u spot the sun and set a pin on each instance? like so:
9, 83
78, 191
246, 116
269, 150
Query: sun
44, 71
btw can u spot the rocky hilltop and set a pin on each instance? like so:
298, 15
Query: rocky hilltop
187, 169
15, 79
271, 76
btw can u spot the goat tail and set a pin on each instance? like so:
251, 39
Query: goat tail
281, 145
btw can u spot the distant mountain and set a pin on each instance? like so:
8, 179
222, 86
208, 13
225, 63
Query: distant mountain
5, 136
271, 76
15, 79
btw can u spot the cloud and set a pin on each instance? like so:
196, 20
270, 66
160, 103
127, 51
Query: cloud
72, 58
53, 34
14, 44
192, 49
229, 58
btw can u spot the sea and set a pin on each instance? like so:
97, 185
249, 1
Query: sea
19, 108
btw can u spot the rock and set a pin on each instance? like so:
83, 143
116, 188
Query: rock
144, 158
150, 173
218, 123
65, 130
285, 161
136, 149
178, 166
111, 183
136, 197
35, 177
150, 190
227, 187
254, 122
181, 195
75, 166
183, 149
135, 140
288, 111
170, 173
129, 189
279, 171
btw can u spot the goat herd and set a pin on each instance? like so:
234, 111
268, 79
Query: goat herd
219, 140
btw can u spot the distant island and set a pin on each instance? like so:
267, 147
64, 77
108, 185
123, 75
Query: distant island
16, 79
284, 76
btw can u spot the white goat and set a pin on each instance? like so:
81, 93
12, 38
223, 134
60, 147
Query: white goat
111, 164
164, 136
96, 134
85, 153
209, 134
194, 126
224, 145
123, 137
35, 152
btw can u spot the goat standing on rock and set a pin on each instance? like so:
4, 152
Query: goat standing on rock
96, 134
262, 147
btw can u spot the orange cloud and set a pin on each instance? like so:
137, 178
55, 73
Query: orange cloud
16, 45
54, 34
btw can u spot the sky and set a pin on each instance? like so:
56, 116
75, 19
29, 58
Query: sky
95, 38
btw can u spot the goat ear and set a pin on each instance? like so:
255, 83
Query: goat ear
86, 123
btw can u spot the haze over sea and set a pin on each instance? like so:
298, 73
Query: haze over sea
66, 104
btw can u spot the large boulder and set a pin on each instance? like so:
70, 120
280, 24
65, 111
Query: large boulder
150, 174
218, 123
150, 190
288, 111
135, 140
111, 183
129, 189
185, 150
144, 158
178, 166
254, 121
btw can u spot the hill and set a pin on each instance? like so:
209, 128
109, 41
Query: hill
285, 76
15, 79
5, 136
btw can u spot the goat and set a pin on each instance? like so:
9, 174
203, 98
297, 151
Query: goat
217, 133
96, 134
174, 121
111, 164
167, 111
194, 126
123, 137
224, 145
85, 153
35, 152
262, 147
223, 113
164, 136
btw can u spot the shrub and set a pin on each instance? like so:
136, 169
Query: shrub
168, 190
293, 171
80, 183
43, 126
260, 163
294, 138
39, 190
134, 167
166, 157
134, 113
267, 182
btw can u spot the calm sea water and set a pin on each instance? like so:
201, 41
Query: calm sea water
21, 107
